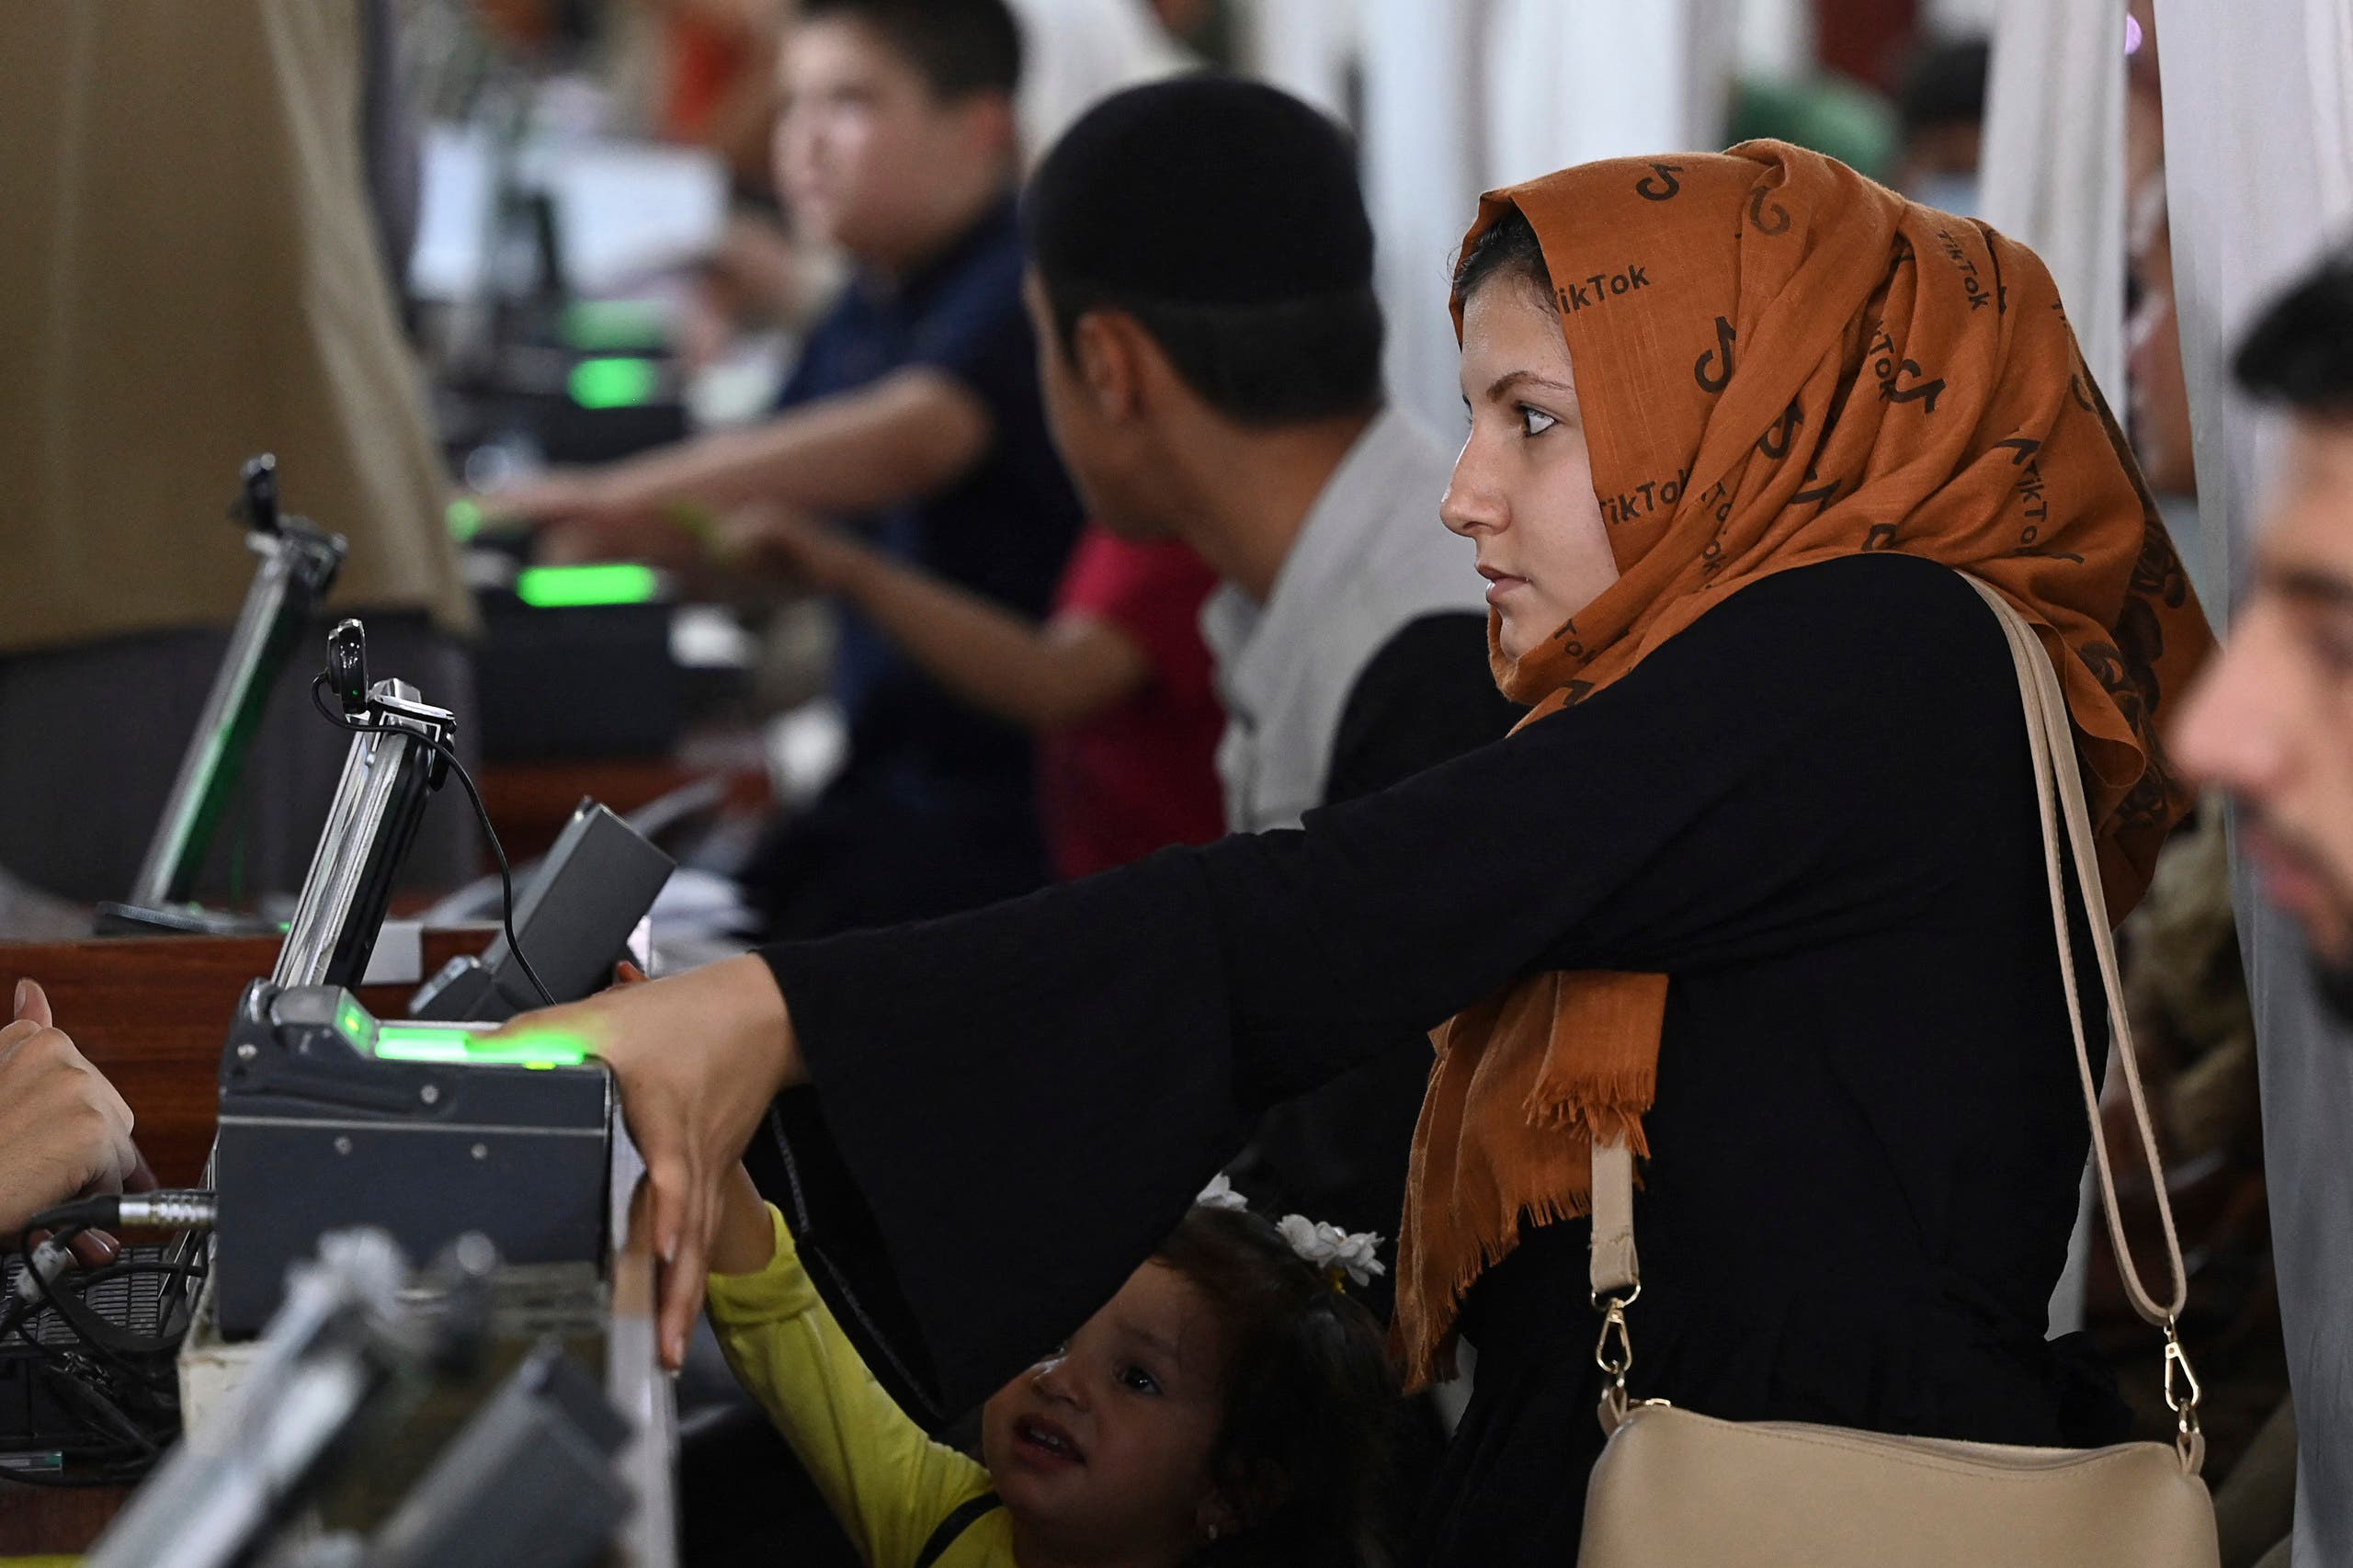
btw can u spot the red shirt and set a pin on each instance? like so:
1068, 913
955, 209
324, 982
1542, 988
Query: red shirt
1143, 774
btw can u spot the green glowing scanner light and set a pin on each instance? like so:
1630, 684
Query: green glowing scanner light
614, 382
606, 583
424, 1042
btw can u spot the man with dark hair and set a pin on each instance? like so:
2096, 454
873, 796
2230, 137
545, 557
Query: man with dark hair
914, 415
2271, 721
1209, 349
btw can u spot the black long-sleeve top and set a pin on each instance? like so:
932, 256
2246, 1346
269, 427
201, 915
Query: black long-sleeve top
1812, 810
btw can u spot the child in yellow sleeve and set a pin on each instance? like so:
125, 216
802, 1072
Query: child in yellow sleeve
1230, 1406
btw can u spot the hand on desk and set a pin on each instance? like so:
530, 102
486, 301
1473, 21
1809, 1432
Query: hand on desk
698, 1057
64, 1133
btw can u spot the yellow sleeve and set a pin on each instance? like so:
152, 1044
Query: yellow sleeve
887, 1483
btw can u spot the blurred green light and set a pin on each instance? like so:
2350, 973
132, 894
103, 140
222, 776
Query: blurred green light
464, 519
603, 326
614, 382
422, 1042
566, 588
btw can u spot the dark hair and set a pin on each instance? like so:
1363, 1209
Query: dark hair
1225, 218
1944, 85
1509, 248
2300, 351
1301, 1456
1258, 365
957, 46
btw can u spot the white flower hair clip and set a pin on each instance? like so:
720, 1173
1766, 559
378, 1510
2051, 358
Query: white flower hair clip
1338, 1253
1219, 1194
1333, 1250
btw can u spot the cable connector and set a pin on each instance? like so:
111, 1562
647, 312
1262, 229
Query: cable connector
168, 1208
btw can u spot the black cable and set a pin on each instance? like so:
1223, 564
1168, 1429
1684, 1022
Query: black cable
119, 1384
481, 815
112, 1341
13, 1312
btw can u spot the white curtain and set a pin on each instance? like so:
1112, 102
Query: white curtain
1303, 46
2258, 122
1461, 96
1423, 160
1076, 52
1566, 83
2052, 168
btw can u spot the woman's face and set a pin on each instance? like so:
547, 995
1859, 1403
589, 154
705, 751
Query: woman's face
1523, 487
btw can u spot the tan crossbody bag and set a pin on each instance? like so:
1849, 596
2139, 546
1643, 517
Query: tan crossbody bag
1674, 1488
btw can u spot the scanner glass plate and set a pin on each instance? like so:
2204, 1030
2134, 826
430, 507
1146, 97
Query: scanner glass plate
454, 1043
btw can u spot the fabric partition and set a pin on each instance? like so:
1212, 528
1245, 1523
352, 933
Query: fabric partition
1465, 96
2258, 123
2053, 169
1302, 46
1076, 52
1569, 83
1422, 166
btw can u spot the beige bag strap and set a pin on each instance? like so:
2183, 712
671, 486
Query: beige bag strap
2059, 789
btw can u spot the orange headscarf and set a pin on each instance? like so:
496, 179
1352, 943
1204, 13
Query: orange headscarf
1779, 362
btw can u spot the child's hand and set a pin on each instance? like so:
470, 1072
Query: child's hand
746, 1239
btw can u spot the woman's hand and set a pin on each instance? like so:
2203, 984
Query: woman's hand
698, 1057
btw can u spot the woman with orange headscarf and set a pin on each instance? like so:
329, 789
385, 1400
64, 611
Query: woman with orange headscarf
1758, 883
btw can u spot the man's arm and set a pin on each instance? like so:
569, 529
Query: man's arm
63, 1130
910, 434
1044, 677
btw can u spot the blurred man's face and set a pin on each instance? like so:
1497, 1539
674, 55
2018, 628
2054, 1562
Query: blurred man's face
2272, 719
867, 155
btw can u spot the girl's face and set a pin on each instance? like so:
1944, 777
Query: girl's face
1103, 1448
1523, 487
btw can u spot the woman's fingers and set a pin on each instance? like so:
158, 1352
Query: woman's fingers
674, 1173
696, 1058
682, 1287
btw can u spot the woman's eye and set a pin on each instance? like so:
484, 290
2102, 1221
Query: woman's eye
1535, 421
1138, 1380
